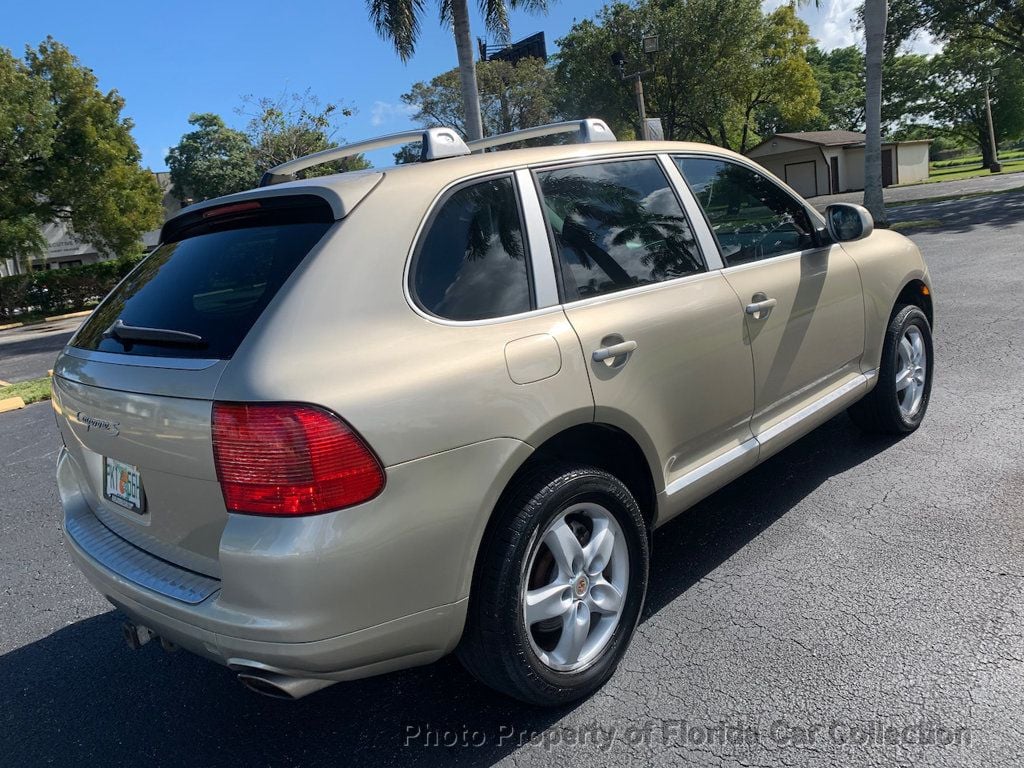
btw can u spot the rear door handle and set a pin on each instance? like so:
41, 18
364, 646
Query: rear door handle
615, 350
757, 307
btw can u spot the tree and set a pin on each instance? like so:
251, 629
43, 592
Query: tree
512, 96
725, 68
875, 17
292, 125
959, 76
215, 160
990, 22
399, 22
67, 154
840, 76
211, 161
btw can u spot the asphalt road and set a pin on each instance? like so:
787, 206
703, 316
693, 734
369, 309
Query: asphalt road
848, 586
28, 352
978, 184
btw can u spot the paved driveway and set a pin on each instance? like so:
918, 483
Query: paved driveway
851, 602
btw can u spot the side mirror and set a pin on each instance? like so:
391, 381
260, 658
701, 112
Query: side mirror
848, 222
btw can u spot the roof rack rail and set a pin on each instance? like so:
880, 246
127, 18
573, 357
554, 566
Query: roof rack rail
589, 130
436, 144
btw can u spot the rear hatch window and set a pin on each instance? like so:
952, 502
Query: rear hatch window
200, 292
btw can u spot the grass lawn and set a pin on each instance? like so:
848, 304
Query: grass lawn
31, 391
914, 224
1012, 163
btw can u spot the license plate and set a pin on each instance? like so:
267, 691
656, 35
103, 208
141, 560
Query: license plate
122, 485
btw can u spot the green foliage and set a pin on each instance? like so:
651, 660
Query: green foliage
398, 21
53, 291
293, 125
958, 79
512, 96
67, 154
211, 161
725, 69
215, 160
993, 22
840, 75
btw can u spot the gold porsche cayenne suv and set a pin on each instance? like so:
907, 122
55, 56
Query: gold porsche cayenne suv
338, 426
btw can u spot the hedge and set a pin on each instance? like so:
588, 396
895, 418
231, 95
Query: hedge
53, 291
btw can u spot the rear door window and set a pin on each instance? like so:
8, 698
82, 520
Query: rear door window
204, 287
617, 225
472, 263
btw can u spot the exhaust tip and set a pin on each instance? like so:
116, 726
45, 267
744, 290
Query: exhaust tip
279, 686
136, 636
259, 684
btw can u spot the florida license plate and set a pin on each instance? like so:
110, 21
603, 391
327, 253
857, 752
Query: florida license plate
122, 485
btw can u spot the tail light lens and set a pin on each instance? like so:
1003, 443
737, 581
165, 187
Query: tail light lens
284, 459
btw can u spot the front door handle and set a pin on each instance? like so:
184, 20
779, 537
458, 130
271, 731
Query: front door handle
760, 307
615, 350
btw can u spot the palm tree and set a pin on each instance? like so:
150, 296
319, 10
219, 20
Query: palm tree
399, 22
876, 14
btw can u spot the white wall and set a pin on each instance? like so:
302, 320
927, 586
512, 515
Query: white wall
851, 169
912, 162
777, 163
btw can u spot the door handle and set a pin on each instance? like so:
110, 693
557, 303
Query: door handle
615, 350
757, 307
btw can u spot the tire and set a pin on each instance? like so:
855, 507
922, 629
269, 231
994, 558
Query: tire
530, 662
886, 408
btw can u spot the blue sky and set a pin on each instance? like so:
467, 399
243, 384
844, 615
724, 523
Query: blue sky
171, 59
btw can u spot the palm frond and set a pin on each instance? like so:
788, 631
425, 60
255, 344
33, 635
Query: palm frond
397, 21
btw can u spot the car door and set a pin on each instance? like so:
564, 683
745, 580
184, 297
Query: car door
662, 334
803, 301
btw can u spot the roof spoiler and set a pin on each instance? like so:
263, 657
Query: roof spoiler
436, 143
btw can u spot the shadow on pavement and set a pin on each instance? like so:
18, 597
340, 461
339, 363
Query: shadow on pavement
957, 216
79, 695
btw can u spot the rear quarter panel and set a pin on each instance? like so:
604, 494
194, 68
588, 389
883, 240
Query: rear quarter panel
342, 334
887, 262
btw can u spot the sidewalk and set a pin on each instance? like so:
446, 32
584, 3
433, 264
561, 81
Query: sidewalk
998, 183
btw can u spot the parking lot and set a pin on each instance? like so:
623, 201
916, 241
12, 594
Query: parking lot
853, 601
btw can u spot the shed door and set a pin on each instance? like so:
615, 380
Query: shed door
887, 167
803, 178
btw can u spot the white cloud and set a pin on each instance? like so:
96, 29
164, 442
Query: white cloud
383, 112
834, 25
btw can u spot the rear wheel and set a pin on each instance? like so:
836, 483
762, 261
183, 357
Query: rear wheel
898, 402
559, 587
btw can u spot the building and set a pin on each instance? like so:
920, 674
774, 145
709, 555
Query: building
828, 162
64, 249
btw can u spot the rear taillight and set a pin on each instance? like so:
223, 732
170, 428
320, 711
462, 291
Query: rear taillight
283, 459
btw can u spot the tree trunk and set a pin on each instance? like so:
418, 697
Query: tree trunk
467, 69
875, 16
984, 144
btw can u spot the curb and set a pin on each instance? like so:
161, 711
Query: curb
68, 316
11, 404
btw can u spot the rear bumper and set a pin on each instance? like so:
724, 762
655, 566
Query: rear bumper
342, 595
409, 641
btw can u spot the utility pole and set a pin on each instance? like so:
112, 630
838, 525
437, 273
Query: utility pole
638, 90
995, 166
650, 47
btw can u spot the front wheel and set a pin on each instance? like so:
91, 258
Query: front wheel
561, 580
898, 402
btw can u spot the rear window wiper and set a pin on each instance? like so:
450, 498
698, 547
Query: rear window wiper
129, 334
